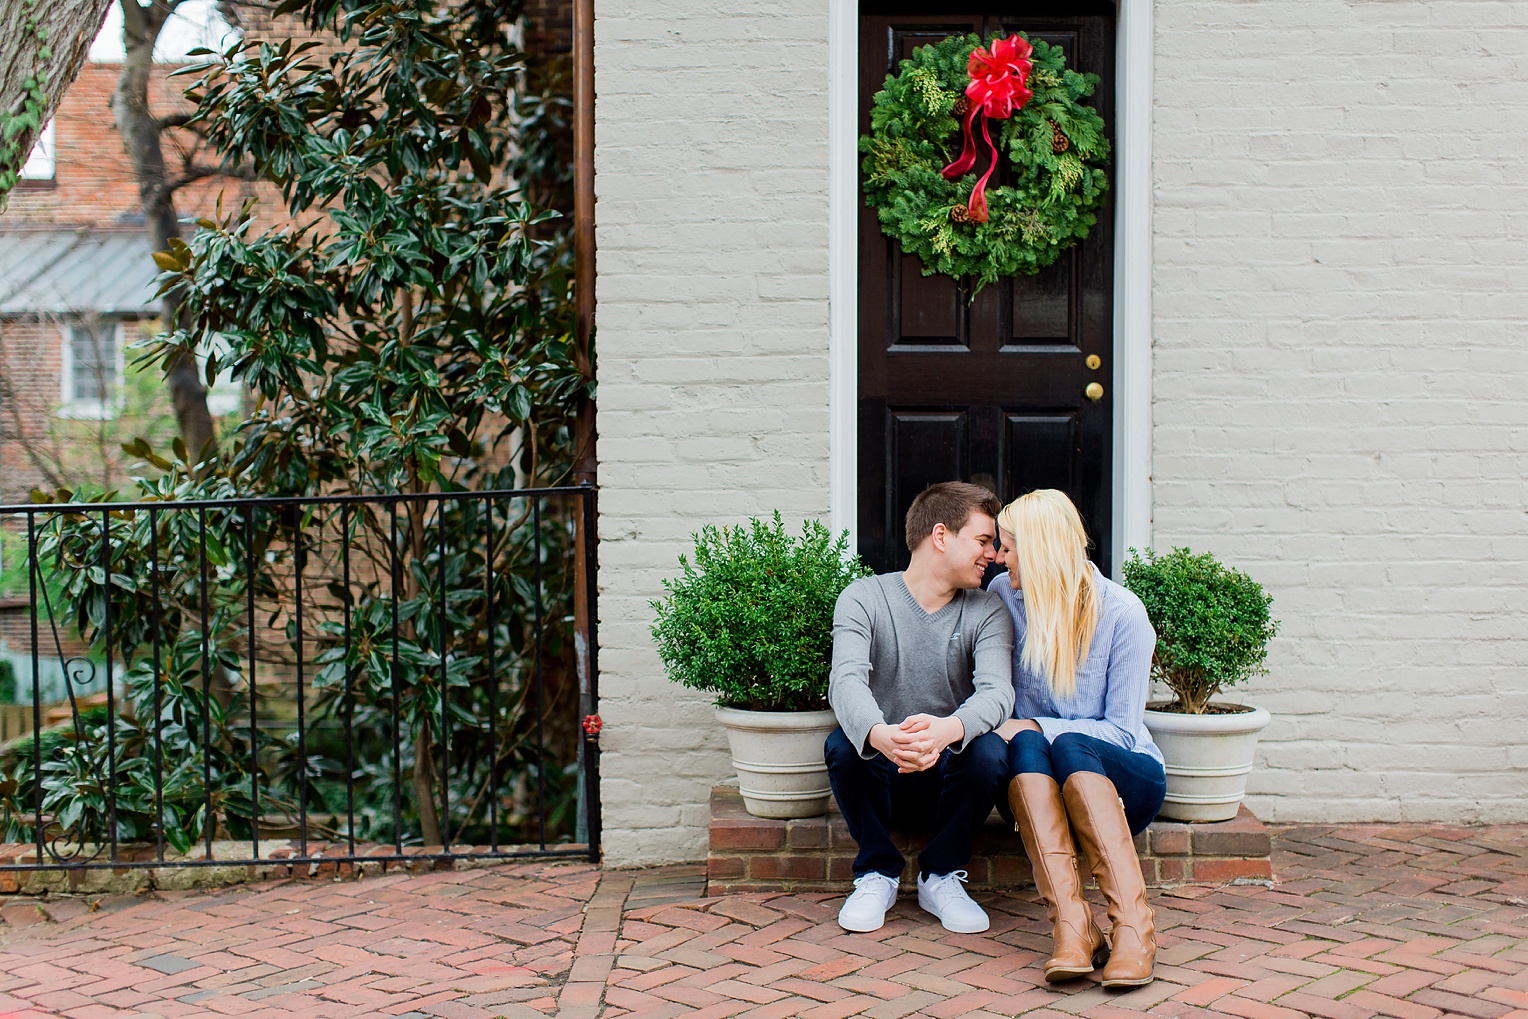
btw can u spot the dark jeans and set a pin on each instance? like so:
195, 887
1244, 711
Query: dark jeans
952, 799
1138, 778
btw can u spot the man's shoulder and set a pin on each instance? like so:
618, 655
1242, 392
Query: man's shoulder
983, 603
872, 584
866, 591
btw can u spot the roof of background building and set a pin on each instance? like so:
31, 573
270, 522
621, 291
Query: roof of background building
68, 272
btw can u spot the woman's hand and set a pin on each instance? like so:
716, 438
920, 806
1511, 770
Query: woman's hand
1011, 728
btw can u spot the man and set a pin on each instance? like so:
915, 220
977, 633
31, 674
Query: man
921, 676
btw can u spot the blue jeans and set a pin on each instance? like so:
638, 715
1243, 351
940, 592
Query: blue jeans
1138, 778
952, 799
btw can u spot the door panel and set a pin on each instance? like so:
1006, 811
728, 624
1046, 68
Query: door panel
926, 313
924, 447
1038, 309
991, 390
1040, 451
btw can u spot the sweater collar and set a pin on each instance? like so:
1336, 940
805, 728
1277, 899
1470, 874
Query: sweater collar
939, 613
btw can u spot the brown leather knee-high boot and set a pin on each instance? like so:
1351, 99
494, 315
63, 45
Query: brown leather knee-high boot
1098, 817
1041, 822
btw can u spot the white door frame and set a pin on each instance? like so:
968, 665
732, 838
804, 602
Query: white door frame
1132, 272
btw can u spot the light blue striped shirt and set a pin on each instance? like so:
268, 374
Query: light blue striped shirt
1112, 685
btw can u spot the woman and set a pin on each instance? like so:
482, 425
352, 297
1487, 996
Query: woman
1079, 756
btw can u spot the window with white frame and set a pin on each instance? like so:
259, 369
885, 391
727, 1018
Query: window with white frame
92, 363
42, 164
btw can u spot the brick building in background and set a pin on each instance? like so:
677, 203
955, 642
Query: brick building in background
76, 288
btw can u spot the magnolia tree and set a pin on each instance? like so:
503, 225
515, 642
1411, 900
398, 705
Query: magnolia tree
411, 332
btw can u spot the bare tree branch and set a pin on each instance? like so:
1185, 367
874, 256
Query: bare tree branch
194, 173
135, 25
156, 13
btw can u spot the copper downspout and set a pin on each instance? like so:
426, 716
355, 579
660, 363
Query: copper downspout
583, 205
585, 465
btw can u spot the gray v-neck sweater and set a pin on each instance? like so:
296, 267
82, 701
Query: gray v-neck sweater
892, 659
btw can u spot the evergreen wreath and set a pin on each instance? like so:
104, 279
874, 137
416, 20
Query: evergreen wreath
1056, 152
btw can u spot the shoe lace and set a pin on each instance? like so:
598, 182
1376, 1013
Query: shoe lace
948, 886
867, 882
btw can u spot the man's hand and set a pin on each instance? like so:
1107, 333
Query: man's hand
916, 744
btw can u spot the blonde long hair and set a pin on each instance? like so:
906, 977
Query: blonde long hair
1060, 596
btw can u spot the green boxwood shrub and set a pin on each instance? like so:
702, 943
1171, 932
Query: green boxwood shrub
751, 619
1213, 624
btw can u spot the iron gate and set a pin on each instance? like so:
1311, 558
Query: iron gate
291, 679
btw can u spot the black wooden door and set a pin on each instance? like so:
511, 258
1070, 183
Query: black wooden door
991, 391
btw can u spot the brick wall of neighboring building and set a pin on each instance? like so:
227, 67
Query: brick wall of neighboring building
39, 446
31, 355
94, 184
1340, 369
713, 366
549, 29
256, 21
16, 620
548, 41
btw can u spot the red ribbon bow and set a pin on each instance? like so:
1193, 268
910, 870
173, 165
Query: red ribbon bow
997, 89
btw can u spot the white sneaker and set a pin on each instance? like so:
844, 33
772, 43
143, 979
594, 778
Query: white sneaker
865, 910
945, 897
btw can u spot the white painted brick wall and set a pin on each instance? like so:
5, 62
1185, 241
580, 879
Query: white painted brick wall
711, 174
1341, 381
1340, 370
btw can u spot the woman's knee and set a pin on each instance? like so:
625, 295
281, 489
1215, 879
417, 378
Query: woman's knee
1029, 752
1073, 752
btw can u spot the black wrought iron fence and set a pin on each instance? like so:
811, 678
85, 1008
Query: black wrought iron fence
336, 677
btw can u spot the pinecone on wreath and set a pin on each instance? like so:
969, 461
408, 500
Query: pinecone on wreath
962, 105
1059, 142
960, 214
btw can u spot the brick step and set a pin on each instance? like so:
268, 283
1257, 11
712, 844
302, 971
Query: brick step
756, 854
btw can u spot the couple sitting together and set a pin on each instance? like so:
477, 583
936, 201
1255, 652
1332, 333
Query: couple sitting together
948, 695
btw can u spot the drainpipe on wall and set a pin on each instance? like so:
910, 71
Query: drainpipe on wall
584, 433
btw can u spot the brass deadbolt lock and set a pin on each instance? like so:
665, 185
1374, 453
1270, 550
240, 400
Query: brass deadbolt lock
1094, 392
1094, 362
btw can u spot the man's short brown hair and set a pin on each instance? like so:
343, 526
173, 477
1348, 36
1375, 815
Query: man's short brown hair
950, 503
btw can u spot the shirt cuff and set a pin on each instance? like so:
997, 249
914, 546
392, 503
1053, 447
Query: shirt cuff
971, 721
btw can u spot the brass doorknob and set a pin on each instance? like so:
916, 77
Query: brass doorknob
1094, 392
1094, 362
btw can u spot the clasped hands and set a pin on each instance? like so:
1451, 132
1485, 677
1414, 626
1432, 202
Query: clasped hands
916, 744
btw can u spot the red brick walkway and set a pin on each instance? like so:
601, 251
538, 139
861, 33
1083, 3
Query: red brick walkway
1400, 921
464, 944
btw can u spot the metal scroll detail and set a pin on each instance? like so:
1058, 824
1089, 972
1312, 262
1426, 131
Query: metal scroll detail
68, 845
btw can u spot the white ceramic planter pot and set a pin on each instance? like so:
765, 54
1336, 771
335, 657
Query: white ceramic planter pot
1208, 759
778, 756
